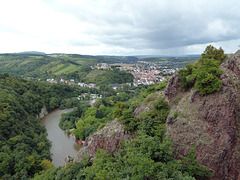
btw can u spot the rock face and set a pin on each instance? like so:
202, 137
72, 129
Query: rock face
172, 88
43, 112
210, 123
109, 139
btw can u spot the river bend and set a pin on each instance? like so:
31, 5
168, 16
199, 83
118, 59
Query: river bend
62, 144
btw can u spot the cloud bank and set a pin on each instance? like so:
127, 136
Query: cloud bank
117, 27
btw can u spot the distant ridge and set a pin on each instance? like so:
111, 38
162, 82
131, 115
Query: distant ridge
31, 52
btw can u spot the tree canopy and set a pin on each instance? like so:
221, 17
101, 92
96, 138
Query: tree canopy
204, 75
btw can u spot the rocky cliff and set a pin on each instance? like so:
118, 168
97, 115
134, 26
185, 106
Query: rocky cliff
109, 139
210, 123
43, 112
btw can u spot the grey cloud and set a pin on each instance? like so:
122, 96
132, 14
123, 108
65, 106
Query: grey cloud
154, 24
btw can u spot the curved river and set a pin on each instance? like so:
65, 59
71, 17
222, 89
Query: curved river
62, 144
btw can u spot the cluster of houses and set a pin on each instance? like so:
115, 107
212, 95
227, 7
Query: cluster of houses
71, 82
52, 81
148, 73
144, 74
103, 66
146, 77
86, 96
91, 85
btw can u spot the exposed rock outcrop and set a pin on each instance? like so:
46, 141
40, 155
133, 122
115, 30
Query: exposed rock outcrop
43, 112
109, 139
147, 104
172, 88
210, 123
67, 160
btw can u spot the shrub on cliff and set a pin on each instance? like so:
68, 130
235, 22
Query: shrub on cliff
207, 77
187, 77
204, 75
213, 53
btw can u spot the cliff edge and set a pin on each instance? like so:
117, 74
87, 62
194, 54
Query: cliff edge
109, 139
210, 123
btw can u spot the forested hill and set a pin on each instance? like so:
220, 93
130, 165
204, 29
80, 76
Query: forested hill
24, 148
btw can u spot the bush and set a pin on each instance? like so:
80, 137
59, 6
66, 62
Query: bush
130, 122
213, 53
118, 111
193, 168
207, 77
175, 115
187, 78
204, 75
102, 125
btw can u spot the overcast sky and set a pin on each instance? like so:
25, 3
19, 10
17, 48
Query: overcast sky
119, 27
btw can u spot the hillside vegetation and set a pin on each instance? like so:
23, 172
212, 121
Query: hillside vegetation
147, 155
204, 75
51, 65
36, 65
24, 148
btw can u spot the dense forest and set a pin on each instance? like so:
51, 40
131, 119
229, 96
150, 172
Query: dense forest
101, 77
24, 148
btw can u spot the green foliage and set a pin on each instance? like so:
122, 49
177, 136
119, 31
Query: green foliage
86, 120
151, 89
187, 78
154, 88
106, 90
114, 76
24, 148
153, 122
46, 66
119, 110
161, 85
46, 164
213, 53
207, 77
69, 103
101, 126
129, 121
204, 75
191, 166
72, 171
149, 155
175, 114
91, 119
69, 120
143, 158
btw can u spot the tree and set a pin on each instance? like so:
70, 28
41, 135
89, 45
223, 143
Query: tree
118, 111
212, 53
207, 77
204, 75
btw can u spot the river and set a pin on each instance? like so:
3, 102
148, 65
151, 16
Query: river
62, 144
